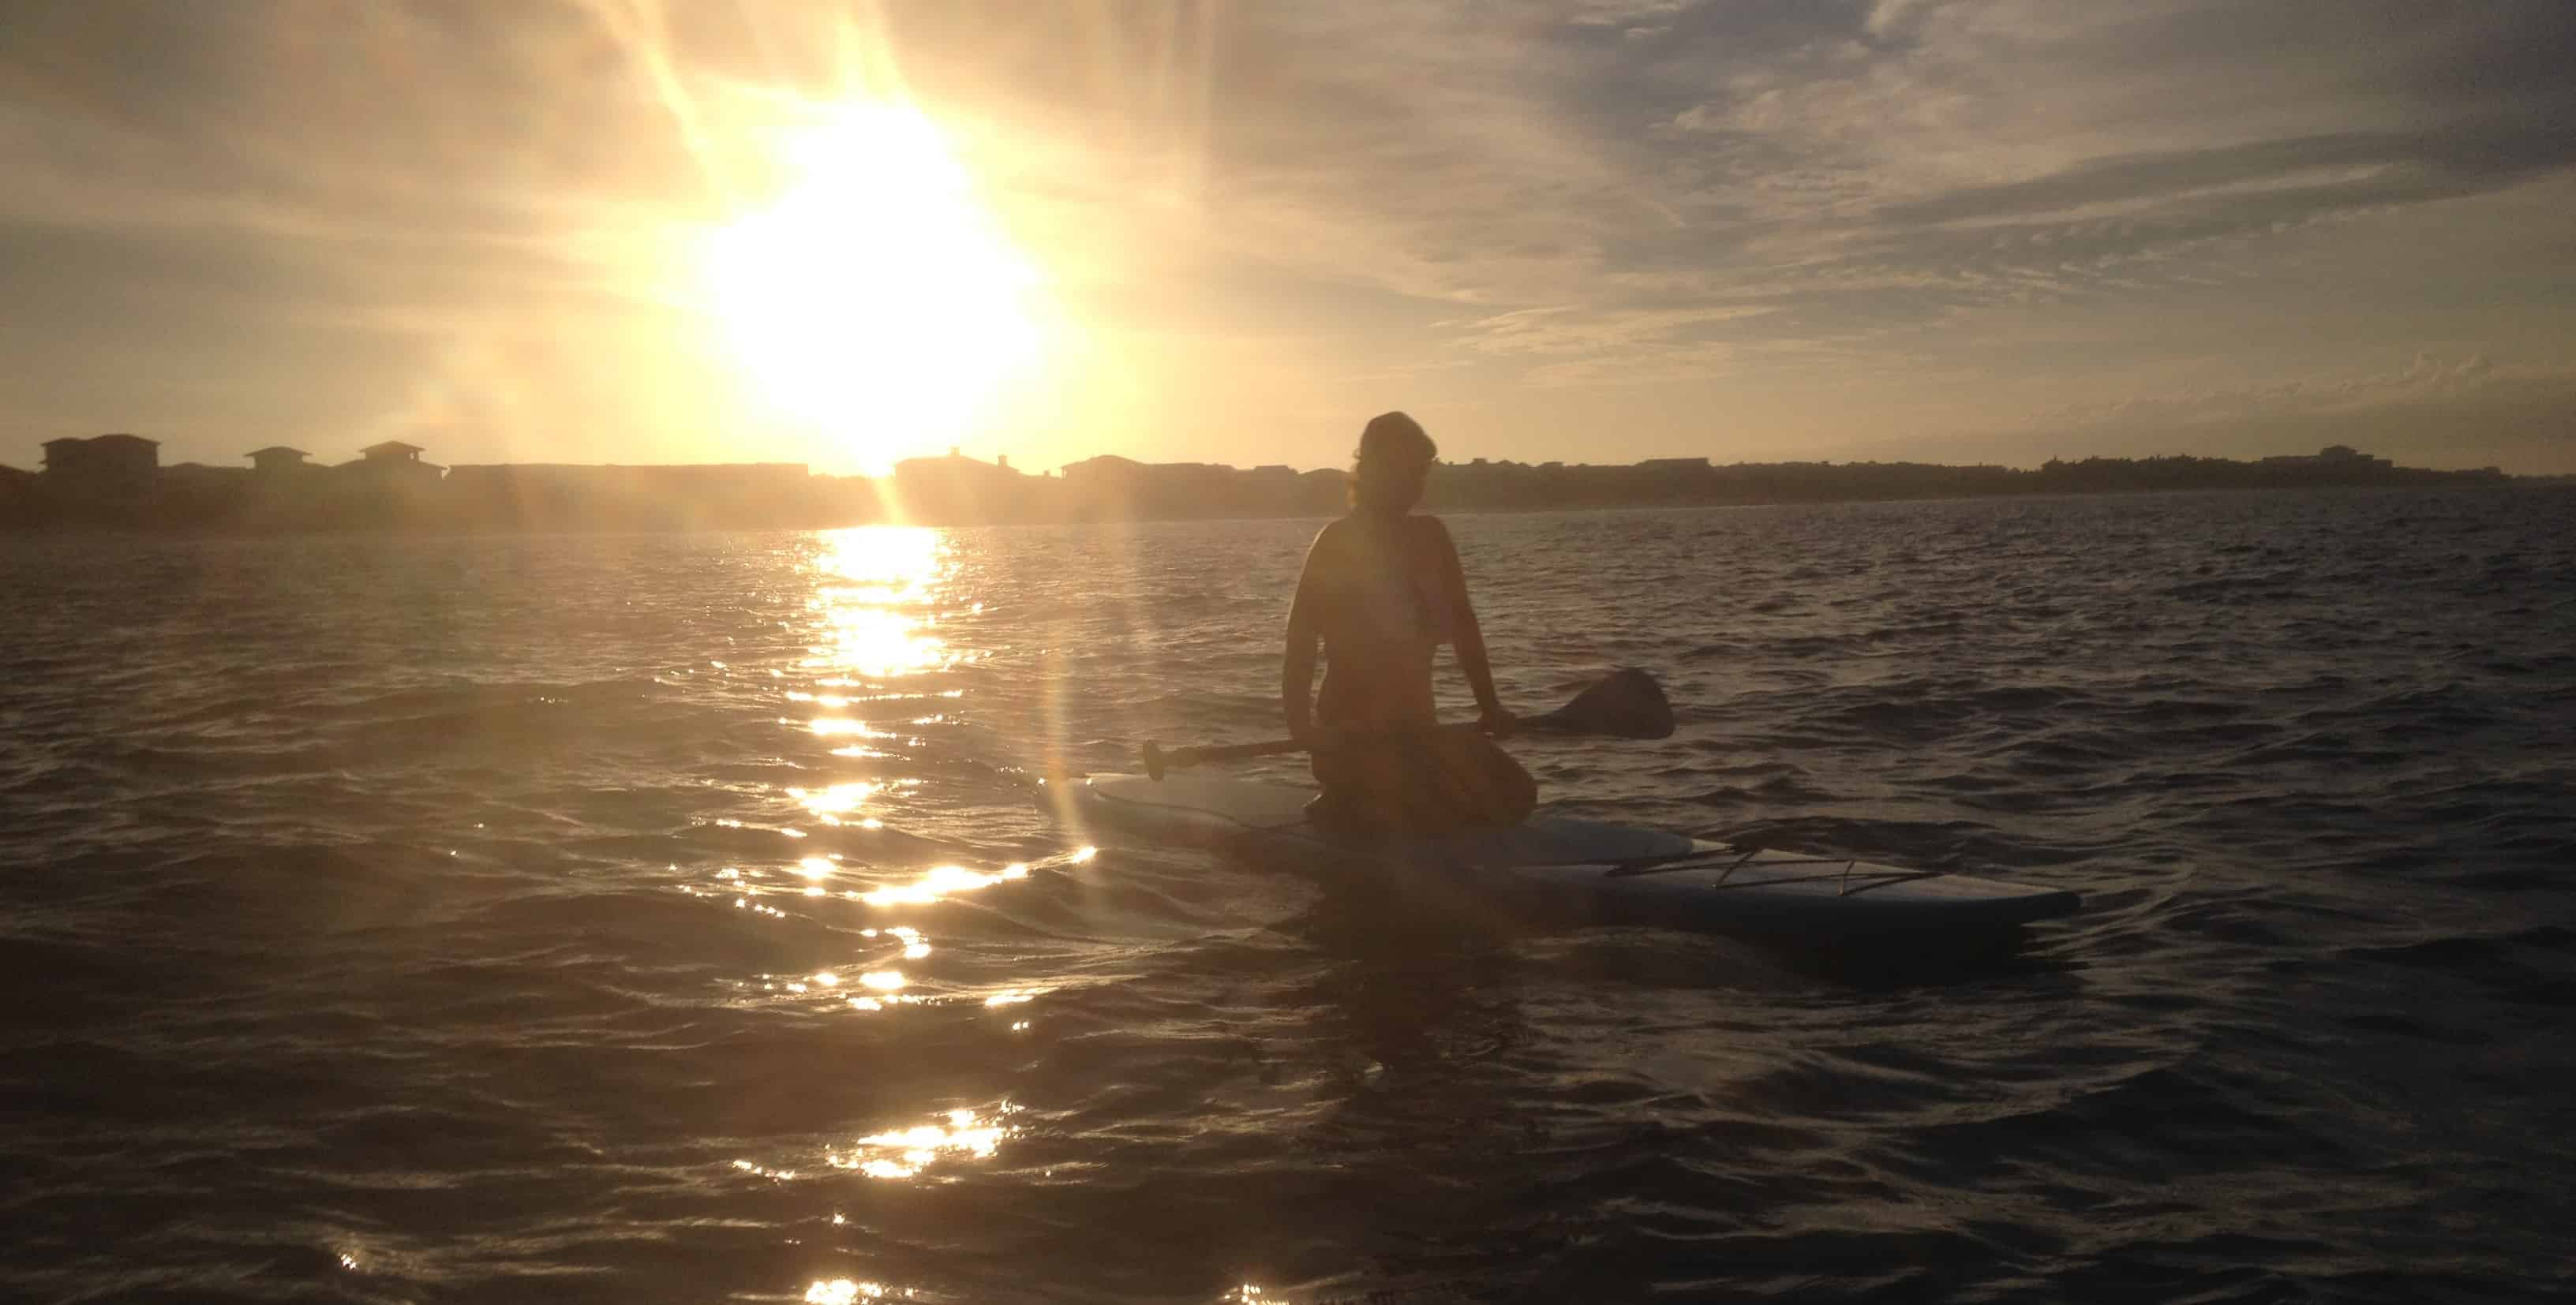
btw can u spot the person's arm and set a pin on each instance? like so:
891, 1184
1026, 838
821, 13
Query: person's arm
1470, 636
1297, 667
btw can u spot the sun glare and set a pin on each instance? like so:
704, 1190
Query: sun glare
878, 299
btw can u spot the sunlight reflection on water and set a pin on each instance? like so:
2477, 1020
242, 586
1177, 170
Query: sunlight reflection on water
843, 1291
941, 881
903, 1153
877, 601
835, 801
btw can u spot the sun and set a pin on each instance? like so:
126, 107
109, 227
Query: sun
878, 299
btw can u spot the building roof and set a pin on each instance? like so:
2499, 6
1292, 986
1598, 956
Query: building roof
1103, 462
390, 447
276, 448
95, 439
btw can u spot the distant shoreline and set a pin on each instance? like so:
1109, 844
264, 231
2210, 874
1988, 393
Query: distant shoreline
404, 495
2531, 484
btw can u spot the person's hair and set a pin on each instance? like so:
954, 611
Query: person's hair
1388, 437
1393, 434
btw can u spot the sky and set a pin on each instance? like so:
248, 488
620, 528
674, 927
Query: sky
1952, 231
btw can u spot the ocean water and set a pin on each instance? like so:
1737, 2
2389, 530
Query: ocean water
666, 918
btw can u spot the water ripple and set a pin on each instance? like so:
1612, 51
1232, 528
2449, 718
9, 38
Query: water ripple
665, 918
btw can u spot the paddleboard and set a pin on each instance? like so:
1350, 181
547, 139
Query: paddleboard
1559, 869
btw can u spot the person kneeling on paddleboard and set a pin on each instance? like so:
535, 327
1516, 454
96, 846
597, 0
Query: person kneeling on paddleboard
1382, 590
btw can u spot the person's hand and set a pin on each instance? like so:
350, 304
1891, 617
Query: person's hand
1498, 722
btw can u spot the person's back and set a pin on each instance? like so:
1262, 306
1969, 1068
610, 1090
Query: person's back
1381, 591
1382, 602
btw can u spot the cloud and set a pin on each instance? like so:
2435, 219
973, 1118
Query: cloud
1607, 157
1816, 196
1828, 179
2425, 378
1999, 151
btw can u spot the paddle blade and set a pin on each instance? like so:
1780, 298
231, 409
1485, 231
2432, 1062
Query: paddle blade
1627, 704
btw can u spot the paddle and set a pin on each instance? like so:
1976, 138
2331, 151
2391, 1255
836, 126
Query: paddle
1626, 704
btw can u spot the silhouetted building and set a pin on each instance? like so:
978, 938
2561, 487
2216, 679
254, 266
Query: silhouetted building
1102, 468
192, 493
1107, 487
278, 459
645, 497
2332, 456
392, 462
392, 451
1115, 488
102, 467
960, 489
198, 473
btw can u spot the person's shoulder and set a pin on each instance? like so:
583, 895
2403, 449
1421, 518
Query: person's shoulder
1429, 528
1330, 542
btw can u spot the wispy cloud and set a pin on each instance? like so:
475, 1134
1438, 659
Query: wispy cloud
2427, 378
1830, 199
